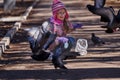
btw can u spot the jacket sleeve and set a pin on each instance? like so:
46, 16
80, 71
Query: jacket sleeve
47, 27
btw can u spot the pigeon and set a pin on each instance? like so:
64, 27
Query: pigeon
107, 15
96, 40
58, 63
58, 57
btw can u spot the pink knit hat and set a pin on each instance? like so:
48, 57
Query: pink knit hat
57, 5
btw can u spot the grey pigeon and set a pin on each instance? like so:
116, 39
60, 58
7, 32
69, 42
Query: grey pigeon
58, 63
107, 15
96, 40
58, 58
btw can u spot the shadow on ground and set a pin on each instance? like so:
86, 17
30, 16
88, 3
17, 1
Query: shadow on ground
73, 74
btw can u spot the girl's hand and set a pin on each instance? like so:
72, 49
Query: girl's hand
76, 25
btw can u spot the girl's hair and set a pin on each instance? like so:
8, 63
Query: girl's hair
66, 26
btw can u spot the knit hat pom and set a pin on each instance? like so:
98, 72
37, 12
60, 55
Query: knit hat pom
55, 1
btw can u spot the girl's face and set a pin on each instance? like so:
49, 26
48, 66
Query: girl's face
61, 14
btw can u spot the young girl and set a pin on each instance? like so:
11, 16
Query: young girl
52, 36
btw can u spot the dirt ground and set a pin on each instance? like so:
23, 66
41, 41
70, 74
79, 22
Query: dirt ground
101, 62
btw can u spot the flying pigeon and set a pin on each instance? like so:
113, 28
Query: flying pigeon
107, 15
96, 40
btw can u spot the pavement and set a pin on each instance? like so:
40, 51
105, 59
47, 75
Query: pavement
100, 63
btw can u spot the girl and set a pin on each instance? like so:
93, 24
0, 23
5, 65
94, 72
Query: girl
52, 36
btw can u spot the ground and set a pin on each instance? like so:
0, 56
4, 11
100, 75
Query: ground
101, 62
17, 11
